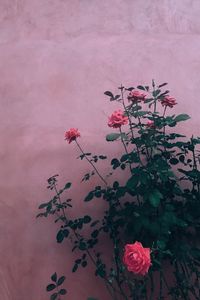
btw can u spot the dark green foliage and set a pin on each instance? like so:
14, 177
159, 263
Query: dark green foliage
57, 282
158, 204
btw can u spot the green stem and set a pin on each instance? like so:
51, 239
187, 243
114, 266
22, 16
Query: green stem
130, 124
60, 202
152, 286
122, 140
161, 285
91, 163
87, 251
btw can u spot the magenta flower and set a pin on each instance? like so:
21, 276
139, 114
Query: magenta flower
72, 134
137, 258
117, 119
136, 96
150, 124
168, 101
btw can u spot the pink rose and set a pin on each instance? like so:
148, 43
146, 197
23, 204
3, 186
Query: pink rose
168, 101
72, 134
137, 258
136, 96
150, 124
117, 119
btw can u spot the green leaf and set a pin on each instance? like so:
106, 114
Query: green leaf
181, 117
130, 89
54, 277
50, 287
54, 296
102, 156
62, 292
66, 232
140, 87
115, 185
115, 163
82, 246
182, 158
156, 93
132, 182
89, 197
155, 197
163, 84
61, 280
108, 93
94, 223
174, 161
95, 233
112, 137
161, 244
60, 236
75, 267
43, 205
124, 157
87, 219
67, 185
84, 264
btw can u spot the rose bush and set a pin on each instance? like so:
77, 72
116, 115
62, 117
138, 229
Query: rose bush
152, 220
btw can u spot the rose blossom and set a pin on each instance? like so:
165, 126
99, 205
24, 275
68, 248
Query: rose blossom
72, 134
136, 96
137, 258
168, 101
117, 119
150, 124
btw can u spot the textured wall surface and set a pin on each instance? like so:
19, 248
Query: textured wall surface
57, 57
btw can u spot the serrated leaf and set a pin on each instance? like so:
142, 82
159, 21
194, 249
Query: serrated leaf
112, 137
181, 117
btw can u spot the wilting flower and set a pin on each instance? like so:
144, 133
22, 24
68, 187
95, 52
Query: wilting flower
72, 134
117, 119
150, 124
168, 101
137, 258
136, 96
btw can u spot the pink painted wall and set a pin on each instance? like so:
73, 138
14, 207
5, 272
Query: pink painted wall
57, 57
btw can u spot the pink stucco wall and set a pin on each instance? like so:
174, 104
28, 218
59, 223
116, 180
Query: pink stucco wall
57, 57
